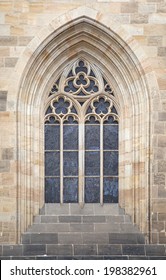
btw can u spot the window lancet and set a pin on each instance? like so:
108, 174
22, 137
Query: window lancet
81, 138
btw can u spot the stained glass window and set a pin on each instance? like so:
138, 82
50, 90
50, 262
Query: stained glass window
81, 138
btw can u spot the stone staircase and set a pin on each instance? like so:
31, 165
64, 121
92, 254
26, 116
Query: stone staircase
93, 232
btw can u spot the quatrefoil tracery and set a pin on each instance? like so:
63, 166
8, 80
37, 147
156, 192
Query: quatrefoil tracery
81, 80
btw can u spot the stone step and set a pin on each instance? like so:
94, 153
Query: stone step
85, 227
101, 257
83, 238
79, 251
41, 219
75, 209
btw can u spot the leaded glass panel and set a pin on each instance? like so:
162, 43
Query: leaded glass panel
52, 137
52, 163
92, 190
110, 136
70, 190
70, 137
81, 138
92, 137
52, 190
92, 163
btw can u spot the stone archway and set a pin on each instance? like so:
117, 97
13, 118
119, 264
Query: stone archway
87, 33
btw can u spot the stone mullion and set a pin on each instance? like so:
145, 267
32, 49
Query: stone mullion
101, 161
61, 161
81, 162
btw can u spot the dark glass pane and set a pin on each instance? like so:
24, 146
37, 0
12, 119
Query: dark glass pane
110, 191
70, 120
111, 163
92, 120
101, 106
52, 137
70, 163
52, 163
70, 190
81, 67
110, 120
110, 137
92, 137
61, 106
49, 110
92, 163
113, 110
92, 190
52, 190
70, 137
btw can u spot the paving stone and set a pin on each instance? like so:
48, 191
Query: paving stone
41, 228
59, 249
121, 238
106, 209
155, 250
12, 250
115, 257
85, 249
115, 219
56, 209
70, 238
34, 250
107, 227
26, 238
109, 249
81, 227
86, 210
133, 249
44, 238
95, 238
49, 219
70, 219
94, 219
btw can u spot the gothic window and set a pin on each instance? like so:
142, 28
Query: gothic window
81, 138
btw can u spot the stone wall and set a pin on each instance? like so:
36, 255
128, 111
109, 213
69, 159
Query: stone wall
21, 23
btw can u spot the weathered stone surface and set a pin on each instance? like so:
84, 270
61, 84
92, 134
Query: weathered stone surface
8, 40
159, 179
162, 166
59, 250
4, 166
85, 250
7, 154
137, 18
3, 99
11, 62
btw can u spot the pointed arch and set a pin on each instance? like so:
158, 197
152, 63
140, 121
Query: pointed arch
86, 33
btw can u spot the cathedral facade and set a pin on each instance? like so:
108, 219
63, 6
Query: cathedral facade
83, 112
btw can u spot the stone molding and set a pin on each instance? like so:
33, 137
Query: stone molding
88, 33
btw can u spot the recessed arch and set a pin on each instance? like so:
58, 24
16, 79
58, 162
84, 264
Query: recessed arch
87, 33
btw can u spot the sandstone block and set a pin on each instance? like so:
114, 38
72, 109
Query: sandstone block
8, 40
3, 99
7, 154
155, 40
161, 141
161, 7
159, 179
4, 166
162, 116
129, 8
137, 18
162, 166
10, 61
162, 51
